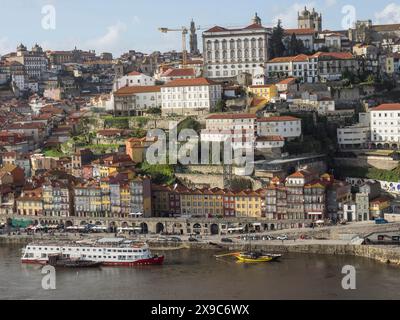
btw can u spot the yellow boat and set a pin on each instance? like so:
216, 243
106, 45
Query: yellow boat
250, 258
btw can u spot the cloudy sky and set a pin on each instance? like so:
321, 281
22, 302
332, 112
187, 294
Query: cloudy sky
119, 25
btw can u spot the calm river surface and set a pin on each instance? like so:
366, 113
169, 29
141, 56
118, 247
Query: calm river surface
198, 275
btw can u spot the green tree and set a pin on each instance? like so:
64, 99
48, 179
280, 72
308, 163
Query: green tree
220, 106
277, 46
189, 123
160, 174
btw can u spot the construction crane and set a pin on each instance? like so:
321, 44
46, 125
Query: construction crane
185, 32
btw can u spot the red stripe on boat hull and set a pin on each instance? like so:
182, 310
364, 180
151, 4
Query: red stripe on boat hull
145, 262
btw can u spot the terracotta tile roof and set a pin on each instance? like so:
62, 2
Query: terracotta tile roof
253, 26
278, 119
135, 73
380, 200
387, 107
217, 29
287, 81
231, 116
190, 82
335, 55
298, 58
187, 72
297, 174
127, 91
299, 31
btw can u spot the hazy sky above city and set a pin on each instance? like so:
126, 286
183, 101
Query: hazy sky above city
119, 25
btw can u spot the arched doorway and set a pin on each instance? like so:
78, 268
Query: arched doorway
159, 228
113, 227
197, 228
125, 225
144, 228
272, 227
69, 224
214, 229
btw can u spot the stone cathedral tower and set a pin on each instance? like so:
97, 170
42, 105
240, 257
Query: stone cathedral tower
194, 49
310, 20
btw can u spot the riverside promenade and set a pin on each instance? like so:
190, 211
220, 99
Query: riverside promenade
338, 240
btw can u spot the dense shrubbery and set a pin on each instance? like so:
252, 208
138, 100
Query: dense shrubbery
160, 174
368, 173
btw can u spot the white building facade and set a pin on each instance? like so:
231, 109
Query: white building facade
230, 52
285, 126
190, 96
134, 101
385, 126
356, 136
134, 79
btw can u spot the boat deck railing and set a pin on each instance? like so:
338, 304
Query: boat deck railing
88, 244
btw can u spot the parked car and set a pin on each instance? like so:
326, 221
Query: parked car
175, 239
191, 239
381, 221
227, 240
281, 238
267, 238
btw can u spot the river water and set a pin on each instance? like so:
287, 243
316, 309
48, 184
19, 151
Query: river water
189, 274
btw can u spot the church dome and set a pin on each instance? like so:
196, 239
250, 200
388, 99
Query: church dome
21, 47
305, 12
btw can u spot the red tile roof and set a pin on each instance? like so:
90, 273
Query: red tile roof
188, 72
335, 55
127, 91
278, 119
299, 31
287, 81
388, 107
190, 82
134, 73
298, 58
253, 26
232, 116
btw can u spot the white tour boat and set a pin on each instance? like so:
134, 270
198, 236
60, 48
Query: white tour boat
107, 251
